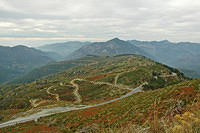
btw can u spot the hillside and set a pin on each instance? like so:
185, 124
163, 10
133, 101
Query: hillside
62, 49
182, 55
171, 109
18, 60
99, 80
110, 48
53, 68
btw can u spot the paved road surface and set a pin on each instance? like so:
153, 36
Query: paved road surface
48, 112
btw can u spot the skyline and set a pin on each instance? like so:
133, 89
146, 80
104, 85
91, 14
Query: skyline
34, 23
38, 43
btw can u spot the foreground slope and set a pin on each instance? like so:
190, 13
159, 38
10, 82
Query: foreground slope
150, 111
18, 60
97, 80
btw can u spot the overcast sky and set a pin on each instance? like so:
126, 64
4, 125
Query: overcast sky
34, 22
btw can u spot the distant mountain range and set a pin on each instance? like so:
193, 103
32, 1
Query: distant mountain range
18, 60
182, 55
110, 48
62, 50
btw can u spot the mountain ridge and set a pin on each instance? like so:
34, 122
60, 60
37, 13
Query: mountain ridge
18, 60
109, 48
62, 49
182, 55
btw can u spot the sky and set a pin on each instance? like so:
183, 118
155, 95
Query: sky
38, 22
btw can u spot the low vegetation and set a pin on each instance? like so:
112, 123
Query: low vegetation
101, 79
161, 110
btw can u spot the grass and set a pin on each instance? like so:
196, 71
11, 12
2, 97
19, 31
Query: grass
143, 110
135, 70
94, 93
65, 92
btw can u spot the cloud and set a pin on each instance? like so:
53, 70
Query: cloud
176, 20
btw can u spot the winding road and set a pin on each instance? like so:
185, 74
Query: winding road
55, 110
76, 86
56, 95
77, 95
51, 111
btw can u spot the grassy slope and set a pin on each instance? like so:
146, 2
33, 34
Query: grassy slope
92, 93
133, 71
138, 109
97, 69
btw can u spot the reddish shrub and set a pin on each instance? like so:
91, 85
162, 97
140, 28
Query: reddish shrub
96, 77
188, 90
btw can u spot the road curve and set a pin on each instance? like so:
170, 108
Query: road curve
51, 111
56, 95
77, 95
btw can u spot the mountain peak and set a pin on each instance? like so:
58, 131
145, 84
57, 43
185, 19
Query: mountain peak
20, 46
164, 41
115, 39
